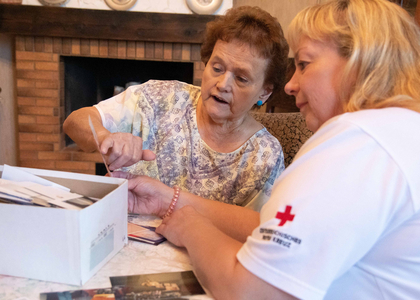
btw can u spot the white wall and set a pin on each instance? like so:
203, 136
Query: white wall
8, 115
162, 6
283, 10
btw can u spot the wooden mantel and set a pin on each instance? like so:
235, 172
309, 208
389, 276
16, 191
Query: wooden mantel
102, 24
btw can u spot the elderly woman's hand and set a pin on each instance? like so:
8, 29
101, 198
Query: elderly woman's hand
180, 227
123, 150
146, 195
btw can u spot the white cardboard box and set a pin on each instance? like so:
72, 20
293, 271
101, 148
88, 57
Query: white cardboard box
60, 245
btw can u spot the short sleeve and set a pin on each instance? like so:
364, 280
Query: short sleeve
325, 212
118, 113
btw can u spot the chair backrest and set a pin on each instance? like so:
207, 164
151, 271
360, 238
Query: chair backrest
289, 128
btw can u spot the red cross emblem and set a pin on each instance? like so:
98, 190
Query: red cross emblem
285, 216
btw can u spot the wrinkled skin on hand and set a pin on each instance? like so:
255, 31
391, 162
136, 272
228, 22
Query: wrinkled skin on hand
123, 150
180, 225
144, 194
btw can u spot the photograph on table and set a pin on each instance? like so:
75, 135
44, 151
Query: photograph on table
145, 234
156, 286
91, 294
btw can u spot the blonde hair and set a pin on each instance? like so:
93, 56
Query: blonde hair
382, 45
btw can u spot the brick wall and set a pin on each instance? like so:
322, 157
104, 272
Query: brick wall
40, 92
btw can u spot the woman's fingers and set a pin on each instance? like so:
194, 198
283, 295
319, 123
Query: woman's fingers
107, 143
124, 149
116, 156
148, 155
121, 174
180, 224
142, 191
121, 157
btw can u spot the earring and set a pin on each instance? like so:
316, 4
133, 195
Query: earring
259, 103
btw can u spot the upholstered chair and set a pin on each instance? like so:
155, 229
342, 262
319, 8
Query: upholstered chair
289, 128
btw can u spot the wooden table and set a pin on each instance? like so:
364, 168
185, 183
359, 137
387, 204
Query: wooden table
135, 258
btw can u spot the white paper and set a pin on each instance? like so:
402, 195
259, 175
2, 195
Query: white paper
15, 174
55, 196
25, 191
8, 188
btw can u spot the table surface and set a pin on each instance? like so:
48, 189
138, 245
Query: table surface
134, 259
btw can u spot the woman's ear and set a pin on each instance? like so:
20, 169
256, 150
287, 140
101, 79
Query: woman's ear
267, 91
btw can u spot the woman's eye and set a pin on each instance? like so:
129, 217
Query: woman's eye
242, 79
217, 68
302, 65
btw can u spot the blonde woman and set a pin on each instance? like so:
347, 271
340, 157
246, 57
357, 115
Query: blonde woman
343, 220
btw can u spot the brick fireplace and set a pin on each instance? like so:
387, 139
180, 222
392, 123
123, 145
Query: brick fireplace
40, 92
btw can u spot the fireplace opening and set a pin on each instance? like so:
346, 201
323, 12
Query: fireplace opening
88, 81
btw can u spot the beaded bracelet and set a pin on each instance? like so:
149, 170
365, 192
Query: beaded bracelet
173, 202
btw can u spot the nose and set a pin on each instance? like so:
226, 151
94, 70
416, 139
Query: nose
224, 82
292, 87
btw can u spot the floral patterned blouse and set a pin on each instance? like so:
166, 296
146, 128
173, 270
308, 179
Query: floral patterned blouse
163, 114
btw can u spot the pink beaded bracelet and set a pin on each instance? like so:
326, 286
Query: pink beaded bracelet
170, 210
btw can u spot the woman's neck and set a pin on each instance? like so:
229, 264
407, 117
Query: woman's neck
226, 135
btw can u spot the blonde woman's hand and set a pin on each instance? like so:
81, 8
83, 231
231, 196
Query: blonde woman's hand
183, 224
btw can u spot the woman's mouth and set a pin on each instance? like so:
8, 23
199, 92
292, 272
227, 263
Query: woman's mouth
220, 100
301, 105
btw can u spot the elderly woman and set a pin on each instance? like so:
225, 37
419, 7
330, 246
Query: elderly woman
205, 140
343, 220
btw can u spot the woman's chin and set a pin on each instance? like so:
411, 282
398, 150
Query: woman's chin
218, 112
311, 123
218, 118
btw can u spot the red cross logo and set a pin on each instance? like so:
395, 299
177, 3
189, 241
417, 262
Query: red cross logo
285, 216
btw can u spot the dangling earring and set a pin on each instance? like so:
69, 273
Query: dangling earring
259, 103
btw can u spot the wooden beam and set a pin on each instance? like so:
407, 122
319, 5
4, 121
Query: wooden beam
102, 24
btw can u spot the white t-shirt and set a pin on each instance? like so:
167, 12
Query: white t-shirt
343, 220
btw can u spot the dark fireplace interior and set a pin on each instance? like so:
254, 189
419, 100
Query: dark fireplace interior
90, 80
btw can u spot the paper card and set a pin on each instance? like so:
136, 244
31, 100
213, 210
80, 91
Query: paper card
12, 193
64, 204
30, 192
18, 194
144, 234
15, 174
53, 193
81, 202
17, 186
14, 199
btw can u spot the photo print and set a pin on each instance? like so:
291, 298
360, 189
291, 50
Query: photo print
172, 285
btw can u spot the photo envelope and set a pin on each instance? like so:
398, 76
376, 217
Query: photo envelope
61, 245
